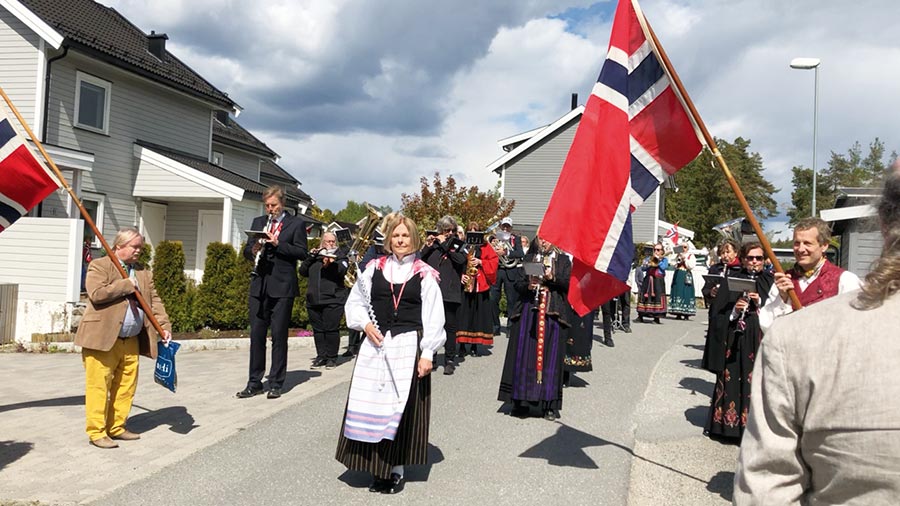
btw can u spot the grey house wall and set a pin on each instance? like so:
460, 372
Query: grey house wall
861, 245
19, 57
531, 177
241, 162
138, 110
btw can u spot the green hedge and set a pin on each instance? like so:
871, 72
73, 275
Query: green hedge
174, 288
222, 299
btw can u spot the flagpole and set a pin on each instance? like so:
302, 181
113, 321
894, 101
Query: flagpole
711, 142
84, 214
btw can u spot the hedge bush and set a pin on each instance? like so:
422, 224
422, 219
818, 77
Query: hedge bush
146, 255
173, 287
222, 299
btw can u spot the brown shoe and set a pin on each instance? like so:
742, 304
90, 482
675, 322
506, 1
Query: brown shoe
127, 436
105, 443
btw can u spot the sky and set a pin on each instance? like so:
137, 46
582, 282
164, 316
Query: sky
362, 98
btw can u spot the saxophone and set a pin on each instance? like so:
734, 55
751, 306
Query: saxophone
471, 269
361, 245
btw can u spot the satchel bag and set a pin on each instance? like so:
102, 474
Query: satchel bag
165, 374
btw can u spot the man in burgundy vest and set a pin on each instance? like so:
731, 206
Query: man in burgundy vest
813, 277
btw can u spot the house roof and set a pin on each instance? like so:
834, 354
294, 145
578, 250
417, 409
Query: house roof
538, 135
105, 34
228, 131
273, 170
202, 165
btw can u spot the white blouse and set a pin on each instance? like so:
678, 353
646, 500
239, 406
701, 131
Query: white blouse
397, 271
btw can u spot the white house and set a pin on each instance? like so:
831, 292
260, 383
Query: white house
141, 137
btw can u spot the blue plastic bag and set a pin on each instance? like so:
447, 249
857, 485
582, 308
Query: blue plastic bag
165, 373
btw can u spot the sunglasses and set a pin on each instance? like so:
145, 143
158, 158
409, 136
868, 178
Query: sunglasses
657, 249
758, 258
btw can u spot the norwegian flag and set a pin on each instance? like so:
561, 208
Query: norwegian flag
634, 132
24, 180
672, 234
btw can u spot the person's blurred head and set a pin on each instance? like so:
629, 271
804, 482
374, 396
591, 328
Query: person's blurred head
752, 257
525, 242
329, 240
128, 244
402, 235
727, 251
883, 280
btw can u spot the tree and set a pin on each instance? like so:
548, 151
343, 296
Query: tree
444, 197
352, 212
850, 170
323, 215
704, 197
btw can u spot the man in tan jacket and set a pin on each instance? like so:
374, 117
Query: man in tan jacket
824, 424
113, 333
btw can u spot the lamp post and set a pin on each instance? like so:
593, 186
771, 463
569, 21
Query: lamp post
807, 64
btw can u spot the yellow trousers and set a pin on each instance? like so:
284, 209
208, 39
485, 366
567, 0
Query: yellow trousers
110, 379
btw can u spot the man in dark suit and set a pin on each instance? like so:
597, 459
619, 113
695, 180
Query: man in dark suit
272, 290
509, 271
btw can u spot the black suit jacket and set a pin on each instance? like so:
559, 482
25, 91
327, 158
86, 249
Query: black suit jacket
277, 267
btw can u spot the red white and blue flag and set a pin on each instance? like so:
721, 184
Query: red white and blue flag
634, 132
672, 234
24, 180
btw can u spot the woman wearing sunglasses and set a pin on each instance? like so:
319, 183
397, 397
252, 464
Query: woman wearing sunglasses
738, 322
652, 297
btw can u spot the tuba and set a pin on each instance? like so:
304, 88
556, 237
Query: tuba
361, 245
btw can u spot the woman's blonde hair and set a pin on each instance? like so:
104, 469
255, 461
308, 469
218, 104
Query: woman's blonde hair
884, 278
392, 221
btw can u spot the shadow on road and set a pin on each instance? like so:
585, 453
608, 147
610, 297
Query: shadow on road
695, 346
75, 400
176, 417
697, 385
362, 479
566, 448
11, 451
697, 415
723, 484
693, 363
294, 378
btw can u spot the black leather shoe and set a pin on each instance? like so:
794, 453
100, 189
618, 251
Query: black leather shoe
656, 321
394, 485
248, 392
549, 415
608, 341
378, 485
627, 329
347, 354
274, 393
317, 363
449, 368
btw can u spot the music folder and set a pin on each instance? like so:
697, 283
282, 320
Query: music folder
343, 236
712, 279
741, 285
535, 269
475, 238
255, 234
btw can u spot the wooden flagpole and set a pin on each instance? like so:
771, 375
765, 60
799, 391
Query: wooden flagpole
711, 142
84, 214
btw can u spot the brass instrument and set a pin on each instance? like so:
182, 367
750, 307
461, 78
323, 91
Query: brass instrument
471, 269
361, 245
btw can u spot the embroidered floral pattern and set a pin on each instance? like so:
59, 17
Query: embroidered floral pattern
731, 416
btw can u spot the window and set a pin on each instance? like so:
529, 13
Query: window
93, 204
92, 96
218, 158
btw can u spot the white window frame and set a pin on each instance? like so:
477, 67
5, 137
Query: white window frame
99, 198
96, 81
221, 156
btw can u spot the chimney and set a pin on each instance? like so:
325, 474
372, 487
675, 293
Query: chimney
156, 44
574, 101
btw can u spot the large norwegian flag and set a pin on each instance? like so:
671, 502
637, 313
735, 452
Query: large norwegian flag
634, 132
24, 180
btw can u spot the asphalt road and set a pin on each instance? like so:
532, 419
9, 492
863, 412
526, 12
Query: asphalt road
630, 433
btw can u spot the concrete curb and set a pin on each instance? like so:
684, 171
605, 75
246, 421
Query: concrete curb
235, 343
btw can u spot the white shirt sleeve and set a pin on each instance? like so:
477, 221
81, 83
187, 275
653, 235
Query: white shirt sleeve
433, 334
848, 282
356, 309
773, 308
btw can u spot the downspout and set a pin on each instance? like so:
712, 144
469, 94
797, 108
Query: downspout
40, 209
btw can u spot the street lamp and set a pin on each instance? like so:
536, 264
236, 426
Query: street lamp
806, 64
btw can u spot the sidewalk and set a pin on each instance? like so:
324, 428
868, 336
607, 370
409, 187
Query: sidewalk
44, 452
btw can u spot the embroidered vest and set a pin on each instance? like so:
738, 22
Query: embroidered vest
824, 286
409, 312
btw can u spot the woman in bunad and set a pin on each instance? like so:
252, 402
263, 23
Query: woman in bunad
717, 322
533, 369
682, 302
652, 297
397, 304
731, 398
476, 322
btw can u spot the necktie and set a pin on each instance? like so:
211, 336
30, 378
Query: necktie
132, 299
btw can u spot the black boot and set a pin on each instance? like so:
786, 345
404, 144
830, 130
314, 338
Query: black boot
608, 340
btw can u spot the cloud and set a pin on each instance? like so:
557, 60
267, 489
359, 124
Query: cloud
363, 98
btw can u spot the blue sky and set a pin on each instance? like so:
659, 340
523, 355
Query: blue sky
362, 98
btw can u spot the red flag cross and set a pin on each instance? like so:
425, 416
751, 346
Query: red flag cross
634, 132
24, 180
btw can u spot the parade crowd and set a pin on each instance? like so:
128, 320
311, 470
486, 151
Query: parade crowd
800, 393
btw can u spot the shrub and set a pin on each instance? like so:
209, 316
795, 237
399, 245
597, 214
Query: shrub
222, 299
146, 254
176, 291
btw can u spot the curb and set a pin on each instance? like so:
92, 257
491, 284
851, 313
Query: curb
236, 343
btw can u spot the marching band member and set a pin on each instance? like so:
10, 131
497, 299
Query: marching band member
443, 253
325, 296
476, 315
509, 272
